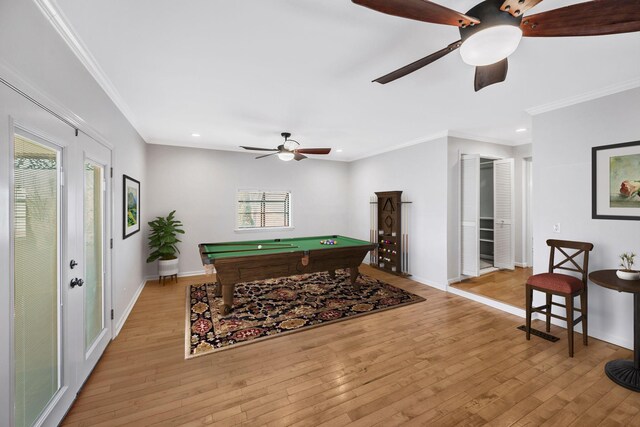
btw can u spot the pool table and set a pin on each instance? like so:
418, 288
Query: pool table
236, 262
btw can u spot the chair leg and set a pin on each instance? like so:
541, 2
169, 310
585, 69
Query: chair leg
583, 307
549, 299
529, 304
569, 304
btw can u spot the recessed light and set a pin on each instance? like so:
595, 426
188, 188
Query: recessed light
196, 135
339, 150
521, 130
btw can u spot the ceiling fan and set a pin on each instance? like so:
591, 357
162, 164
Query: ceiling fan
491, 30
289, 149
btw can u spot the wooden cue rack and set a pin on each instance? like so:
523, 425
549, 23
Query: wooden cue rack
389, 221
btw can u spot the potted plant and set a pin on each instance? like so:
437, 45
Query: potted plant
162, 242
627, 272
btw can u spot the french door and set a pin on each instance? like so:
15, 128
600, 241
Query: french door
59, 212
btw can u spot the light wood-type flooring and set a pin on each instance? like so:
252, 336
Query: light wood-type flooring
447, 361
503, 285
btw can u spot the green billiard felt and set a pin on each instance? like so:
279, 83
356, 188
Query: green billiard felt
250, 248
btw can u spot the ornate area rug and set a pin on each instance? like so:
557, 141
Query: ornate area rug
269, 308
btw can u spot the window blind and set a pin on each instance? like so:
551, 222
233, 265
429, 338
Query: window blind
263, 209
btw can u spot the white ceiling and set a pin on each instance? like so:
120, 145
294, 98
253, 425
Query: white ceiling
240, 72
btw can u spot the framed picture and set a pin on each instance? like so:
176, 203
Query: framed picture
130, 206
615, 177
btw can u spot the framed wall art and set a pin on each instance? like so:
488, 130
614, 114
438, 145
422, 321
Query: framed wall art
615, 175
130, 206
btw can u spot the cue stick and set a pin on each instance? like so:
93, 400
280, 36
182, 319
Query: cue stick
243, 250
371, 233
405, 243
407, 261
282, 245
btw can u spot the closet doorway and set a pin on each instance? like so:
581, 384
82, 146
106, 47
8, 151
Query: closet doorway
492, 198
487, 238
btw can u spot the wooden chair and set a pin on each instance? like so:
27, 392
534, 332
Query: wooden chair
563, 285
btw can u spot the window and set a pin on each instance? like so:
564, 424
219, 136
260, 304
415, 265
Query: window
263, 209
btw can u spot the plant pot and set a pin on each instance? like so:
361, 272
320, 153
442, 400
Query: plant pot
167, 267
628, 274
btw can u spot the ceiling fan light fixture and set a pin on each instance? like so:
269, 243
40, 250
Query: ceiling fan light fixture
490, 45
286, 156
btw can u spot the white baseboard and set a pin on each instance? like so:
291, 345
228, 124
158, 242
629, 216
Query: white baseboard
596, 333
488, 301
185, 274
521, 264
127, 311
593, 332
192, 273
428, 283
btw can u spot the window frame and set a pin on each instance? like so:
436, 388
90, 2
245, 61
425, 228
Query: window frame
254, 229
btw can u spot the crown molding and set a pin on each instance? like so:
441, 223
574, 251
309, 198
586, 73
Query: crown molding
482, 138
587, 96
433, 137
59, 22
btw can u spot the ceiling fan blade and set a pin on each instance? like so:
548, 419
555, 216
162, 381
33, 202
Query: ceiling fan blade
490, 74
592, 18
313, 150
415, 66
518, 7
266, 155
420, 10
299, 157
258, 148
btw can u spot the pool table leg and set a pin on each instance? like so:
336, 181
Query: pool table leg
227, 298
353, 271
218, 289
332, 274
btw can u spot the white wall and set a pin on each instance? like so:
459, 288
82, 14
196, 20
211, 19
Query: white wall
33, 54
201, 186
420, 171
562, 194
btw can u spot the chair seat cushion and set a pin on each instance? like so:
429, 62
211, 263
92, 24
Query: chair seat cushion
556, 282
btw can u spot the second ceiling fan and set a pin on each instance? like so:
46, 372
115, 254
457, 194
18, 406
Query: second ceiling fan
289, 150
491, 30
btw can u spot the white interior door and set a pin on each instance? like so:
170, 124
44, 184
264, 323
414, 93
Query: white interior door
88, 172
58, 210
470, 214
503, 211
43, 377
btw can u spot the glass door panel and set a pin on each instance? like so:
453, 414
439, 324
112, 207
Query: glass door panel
93, 244
36, 277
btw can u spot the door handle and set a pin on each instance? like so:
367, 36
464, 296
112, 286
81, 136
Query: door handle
76, 282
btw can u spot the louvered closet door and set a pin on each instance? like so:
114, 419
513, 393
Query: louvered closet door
503, 209
470, 214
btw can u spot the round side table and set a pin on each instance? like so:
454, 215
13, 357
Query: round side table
623, 372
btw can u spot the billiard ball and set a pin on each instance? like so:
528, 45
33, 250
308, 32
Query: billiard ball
259, 246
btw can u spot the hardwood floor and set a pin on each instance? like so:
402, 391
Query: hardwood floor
503, 285
443, 362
